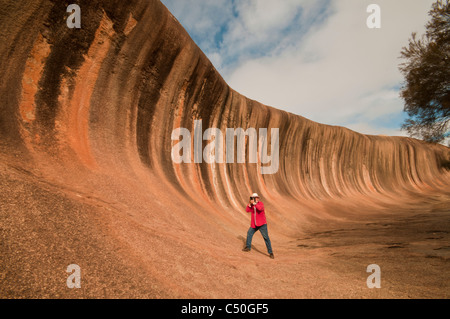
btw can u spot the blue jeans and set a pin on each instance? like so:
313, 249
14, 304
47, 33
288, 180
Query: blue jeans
264, 233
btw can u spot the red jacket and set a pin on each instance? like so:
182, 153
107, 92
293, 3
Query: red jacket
257, 212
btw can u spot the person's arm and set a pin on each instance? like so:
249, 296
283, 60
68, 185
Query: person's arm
249, 208
259, 207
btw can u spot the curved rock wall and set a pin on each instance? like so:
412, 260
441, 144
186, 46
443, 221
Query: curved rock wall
92, 110
113, 91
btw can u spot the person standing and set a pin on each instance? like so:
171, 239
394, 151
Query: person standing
258, 222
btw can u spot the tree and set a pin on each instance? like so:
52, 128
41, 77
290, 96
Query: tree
426, 90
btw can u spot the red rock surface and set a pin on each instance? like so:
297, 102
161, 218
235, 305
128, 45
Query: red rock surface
86, 117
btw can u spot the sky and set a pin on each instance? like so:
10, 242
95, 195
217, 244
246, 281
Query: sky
314, 58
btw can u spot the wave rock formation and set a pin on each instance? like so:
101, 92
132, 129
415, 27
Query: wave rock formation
86, 117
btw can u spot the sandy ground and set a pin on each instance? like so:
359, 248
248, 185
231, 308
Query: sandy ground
87, 175
44, 228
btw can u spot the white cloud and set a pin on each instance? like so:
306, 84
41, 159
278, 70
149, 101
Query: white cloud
340, 70
317, 59
267, 16
370, 129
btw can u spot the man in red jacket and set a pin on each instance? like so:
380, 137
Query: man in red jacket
258, 222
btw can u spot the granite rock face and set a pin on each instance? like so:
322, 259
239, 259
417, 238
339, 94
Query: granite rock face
86, 119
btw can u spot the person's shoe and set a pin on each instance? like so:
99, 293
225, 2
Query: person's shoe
272, 256
246, 249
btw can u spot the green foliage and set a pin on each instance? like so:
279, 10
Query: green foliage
426, 69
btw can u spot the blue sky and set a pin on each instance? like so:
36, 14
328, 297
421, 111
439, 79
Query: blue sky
315, 58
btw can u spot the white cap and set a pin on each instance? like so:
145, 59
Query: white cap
255, 195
